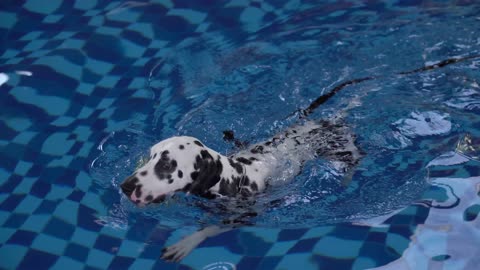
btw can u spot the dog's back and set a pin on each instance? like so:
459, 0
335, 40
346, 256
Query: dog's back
282, 157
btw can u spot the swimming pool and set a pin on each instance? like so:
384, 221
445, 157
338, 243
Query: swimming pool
88, 86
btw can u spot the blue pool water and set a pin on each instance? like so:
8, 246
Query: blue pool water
86, 87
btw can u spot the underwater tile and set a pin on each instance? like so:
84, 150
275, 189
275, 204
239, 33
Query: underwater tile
140, 263
8, 19
471, 213
30, 96
13, 254
99, 259
397, 242
65, 211
66, 263
291, 234
22, 237
130, 248
304, 246
107, 243
36, 223
23, 167
363, 263
297, 261
318, 232
28, 204
120, 262
49, 244
281, 248
84, 237
337, 248
192, 16
36, 259
59, 228
201, 257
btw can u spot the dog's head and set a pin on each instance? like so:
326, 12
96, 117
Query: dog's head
175, 164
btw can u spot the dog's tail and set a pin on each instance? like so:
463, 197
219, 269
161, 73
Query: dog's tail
325, 97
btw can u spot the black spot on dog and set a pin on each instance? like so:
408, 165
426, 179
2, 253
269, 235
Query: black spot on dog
198, 143
180, 174
132, 180
245, 192
244, 160
315, 130
205, 154
159, 199
253, 159
209, 195
254, 186
206, 175
228, 188
170, 181
187, 187
345, 156
268, 143
245, 181
138, 191
154, 156
234, 186
149, 198
165, 166
257, 149
144, 173
181, 147
238, 167
129, 185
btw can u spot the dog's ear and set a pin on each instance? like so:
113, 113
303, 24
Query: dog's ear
207, 173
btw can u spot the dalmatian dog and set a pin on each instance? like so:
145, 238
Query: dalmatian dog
185, 164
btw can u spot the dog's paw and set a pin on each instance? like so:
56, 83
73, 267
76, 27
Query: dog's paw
182, 248
175, 253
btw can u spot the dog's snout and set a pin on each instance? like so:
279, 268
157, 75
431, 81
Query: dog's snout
129, 185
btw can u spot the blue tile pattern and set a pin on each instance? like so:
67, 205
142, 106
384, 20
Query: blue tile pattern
97, 68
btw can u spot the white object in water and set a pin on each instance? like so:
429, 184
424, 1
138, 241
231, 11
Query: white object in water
3, 78
424, 124
24, 72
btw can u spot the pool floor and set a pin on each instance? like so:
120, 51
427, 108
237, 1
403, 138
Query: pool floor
76, 72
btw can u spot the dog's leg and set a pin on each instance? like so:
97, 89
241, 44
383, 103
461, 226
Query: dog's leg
183, 247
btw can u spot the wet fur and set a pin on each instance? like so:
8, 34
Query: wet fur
184, 164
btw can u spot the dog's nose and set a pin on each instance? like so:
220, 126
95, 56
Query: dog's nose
129, 185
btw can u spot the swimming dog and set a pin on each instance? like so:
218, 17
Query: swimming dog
185, 164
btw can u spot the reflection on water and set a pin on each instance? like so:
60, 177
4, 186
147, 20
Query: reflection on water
469, 147
448, 239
